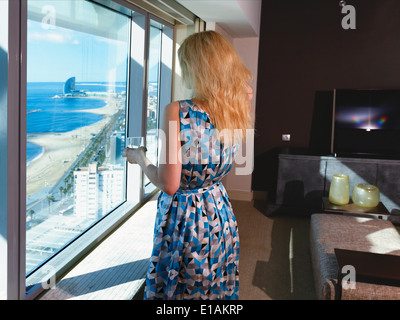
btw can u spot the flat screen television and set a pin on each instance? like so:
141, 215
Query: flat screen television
366, 123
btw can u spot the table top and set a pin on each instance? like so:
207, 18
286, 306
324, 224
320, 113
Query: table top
372, 267
351, 207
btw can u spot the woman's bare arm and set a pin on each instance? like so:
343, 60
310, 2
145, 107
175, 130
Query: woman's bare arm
167, 175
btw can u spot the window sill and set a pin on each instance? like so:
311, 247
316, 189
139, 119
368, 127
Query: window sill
116, 268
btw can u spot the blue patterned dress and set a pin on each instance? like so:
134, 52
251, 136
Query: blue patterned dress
196, 241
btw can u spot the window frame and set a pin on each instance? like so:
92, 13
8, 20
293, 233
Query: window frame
11, 215
13, 212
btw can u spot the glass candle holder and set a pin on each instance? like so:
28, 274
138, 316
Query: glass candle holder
366, 195
339, 191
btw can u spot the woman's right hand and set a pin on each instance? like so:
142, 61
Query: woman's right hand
133, 155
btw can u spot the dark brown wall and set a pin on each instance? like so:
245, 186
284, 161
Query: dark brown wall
304, 49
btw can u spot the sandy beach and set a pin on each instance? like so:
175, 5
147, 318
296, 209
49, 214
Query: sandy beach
62, 149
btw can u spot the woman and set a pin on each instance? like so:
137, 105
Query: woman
196, 241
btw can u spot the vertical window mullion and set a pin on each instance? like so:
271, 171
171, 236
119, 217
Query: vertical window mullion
136, 98
22, 139
146, 92
4, 221
157, 64
146, 76
11, 215
166, 68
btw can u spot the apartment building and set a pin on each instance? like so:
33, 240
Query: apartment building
97, 190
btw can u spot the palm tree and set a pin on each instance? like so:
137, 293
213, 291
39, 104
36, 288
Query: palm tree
69, 187
31, 212
50, 199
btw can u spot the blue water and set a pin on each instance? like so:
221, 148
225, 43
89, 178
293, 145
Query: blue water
46, 114
32, 151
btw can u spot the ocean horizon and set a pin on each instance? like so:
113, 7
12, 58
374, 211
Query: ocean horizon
46, 114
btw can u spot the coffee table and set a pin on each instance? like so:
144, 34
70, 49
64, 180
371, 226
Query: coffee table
380, 211
370, 267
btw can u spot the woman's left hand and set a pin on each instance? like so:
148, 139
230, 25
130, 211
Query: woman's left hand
134, 154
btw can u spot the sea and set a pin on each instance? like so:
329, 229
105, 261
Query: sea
46, 114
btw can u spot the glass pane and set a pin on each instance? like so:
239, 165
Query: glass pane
76, 106
159, 86
153, 93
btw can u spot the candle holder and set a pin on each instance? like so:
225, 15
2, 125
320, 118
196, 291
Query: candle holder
339, 191
366, 195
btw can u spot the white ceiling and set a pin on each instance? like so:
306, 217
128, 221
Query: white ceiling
238, 18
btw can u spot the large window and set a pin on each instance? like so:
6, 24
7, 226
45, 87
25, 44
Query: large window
77, 57
77, 78
88, 88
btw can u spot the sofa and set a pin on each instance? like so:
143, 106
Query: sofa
329, 231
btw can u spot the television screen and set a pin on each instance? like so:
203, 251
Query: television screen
367, 123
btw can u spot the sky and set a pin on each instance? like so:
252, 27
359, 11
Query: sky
56, 54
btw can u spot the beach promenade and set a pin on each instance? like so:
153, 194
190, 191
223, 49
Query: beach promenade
62, 149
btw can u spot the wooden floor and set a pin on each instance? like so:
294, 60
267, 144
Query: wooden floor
275, 262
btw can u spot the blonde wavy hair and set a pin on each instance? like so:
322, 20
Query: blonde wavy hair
212, 69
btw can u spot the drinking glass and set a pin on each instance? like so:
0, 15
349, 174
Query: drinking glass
134, 142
